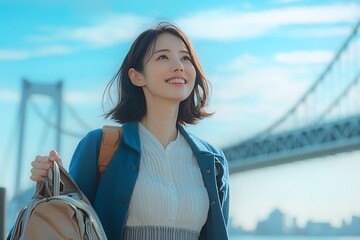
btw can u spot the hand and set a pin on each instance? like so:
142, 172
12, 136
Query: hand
41, 165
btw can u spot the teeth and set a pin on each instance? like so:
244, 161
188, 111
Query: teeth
176, 81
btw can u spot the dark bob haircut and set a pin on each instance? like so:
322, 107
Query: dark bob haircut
131, 104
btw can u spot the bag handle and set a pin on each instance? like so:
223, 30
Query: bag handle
58, 182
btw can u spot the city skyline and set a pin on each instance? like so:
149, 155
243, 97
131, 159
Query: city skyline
277, 224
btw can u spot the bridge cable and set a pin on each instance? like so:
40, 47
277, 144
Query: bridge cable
77, 117
312, 88
338, 99
55, 126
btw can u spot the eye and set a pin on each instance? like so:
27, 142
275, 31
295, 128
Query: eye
186, 58
162, 57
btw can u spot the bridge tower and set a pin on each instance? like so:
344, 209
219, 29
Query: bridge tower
53, 91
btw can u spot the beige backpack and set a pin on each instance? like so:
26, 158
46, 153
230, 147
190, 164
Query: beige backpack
58, 209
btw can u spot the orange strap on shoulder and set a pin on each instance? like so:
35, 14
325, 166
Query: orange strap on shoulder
110, 141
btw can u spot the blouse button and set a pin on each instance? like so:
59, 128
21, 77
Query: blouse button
208, 171
123, 201
134, 168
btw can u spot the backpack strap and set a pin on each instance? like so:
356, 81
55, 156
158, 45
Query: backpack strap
110, 141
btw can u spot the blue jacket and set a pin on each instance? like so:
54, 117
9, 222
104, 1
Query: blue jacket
112, 197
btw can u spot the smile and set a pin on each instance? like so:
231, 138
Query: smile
176, 81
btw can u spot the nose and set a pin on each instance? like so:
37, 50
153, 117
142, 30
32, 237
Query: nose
178, 66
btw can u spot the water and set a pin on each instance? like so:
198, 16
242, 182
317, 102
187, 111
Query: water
291, 238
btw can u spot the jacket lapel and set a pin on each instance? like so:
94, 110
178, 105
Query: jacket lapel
215, 224
116, 186
206, 161
131, 135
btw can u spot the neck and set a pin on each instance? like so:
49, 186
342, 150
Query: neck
160, 120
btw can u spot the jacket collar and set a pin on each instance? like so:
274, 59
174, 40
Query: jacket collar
131, 135
198, 146
132, 139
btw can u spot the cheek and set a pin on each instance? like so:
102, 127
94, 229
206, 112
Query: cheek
192, 73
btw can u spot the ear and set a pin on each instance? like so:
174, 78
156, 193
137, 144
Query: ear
136, 77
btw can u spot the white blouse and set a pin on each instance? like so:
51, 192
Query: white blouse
169, 190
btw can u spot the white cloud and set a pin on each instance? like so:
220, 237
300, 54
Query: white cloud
51, 50
253, 100
320, 32
12, 54
16, 54
218, 24
305, 57
265, 84
113, 30
76, 97
258, 95
225, 25
243, 62
8, 95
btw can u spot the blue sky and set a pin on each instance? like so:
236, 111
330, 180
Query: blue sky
259, 55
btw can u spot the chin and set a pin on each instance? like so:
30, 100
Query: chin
180, 98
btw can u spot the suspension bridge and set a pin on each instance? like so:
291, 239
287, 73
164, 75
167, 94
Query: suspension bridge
324, 121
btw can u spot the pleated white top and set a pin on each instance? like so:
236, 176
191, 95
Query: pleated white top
169, 191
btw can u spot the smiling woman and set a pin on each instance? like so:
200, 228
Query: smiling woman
170, 184
164, 54
168, 76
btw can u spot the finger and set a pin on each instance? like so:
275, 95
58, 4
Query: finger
40, 165
55, 156
37, 178
38, 172
38, 175
41, 159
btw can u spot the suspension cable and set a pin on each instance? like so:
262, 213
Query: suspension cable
55, 126
338, 98
77, 117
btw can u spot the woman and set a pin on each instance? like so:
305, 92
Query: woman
162, 181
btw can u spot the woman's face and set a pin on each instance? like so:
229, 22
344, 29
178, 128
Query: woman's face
169, 74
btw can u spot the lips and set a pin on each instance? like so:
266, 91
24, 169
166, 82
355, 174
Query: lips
176, 81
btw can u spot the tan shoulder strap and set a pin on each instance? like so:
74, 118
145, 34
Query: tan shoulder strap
110, 141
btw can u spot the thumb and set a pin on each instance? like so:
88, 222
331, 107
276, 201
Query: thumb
54, 156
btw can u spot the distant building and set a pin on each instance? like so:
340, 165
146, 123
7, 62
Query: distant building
355, 225
273, 225
317, 229
294, 229
351, 229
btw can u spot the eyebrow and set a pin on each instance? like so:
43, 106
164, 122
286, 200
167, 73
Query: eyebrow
168, 50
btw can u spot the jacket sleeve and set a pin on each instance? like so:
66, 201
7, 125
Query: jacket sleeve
83, 165
225, 188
